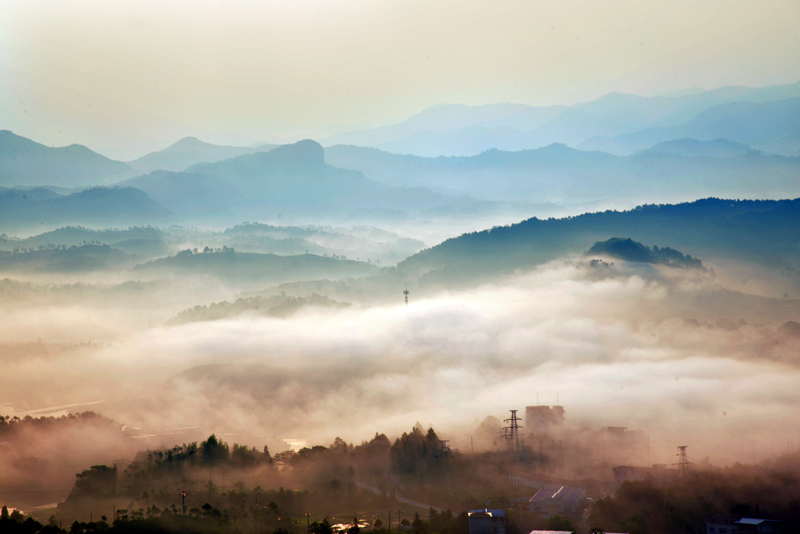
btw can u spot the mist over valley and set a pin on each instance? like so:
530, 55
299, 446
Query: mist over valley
283, 264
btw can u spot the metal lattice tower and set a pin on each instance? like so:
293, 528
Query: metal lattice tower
445, 450
683, 462
444, 454
511, 432
405, 292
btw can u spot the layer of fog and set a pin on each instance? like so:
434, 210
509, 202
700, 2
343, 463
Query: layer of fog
664, 351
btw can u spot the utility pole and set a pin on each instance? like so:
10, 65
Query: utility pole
308, 522
183, 502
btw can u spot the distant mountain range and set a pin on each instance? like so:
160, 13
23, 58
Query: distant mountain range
187, 193
107, 206
769, 126
191, 151
25, 162
673, 170
692, 148
734, 141
290, 179
457, 130
346, 182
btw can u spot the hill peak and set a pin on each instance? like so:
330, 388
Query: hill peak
629, 250
188, 143
304, 153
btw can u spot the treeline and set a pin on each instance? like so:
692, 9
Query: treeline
62, 258
270, 306
10, 426
179, 489
210, 520
682, 505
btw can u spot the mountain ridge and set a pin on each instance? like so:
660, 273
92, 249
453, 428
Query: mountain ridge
24, 161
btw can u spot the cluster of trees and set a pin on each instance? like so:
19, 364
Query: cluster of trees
682, 505
206, 250
419, 454
630, 250
327, 474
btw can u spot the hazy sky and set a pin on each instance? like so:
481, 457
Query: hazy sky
126, 76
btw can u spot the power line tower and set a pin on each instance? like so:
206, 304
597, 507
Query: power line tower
444, 454
511, 432
405, 293
683, 462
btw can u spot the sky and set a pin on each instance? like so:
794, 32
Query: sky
126, 77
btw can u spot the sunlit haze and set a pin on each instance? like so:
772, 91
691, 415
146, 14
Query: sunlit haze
399, 267
126, 77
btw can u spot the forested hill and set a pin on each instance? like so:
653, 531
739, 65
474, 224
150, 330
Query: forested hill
760, 231
629, 250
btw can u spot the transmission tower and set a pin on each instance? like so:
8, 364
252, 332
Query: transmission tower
405, 292
444, 454
683, 462
511, 432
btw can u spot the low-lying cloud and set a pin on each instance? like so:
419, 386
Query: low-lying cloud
665, 351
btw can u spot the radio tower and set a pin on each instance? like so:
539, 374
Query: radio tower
511, 432
405, 292
683, 462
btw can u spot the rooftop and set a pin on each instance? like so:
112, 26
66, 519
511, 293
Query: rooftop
754, 521
491, 512
560, 493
